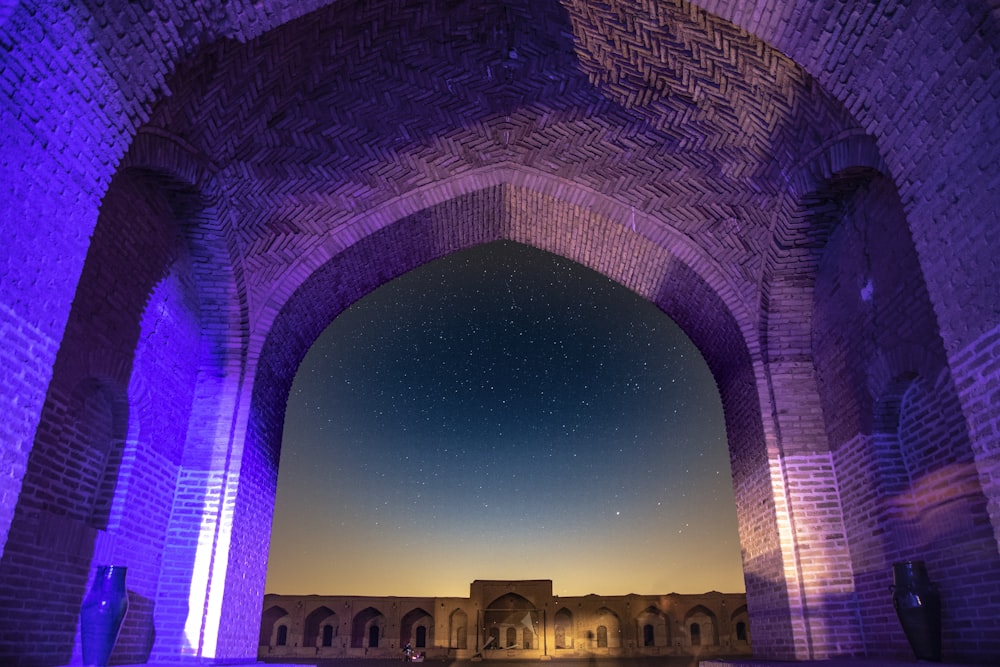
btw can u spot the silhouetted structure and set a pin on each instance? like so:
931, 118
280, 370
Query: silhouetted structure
505, 619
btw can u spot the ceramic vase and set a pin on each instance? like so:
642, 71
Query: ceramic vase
918, 607
101, 615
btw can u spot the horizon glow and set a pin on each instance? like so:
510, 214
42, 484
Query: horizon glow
503, 413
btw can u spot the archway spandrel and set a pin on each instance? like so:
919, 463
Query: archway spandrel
618, 246
338, 142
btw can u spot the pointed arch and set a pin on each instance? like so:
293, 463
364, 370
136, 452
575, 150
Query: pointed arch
367, 628
607, 628
272, 618
417, 628
320, 627
458, 622
739, 620
653, 630
702, 625
564, 631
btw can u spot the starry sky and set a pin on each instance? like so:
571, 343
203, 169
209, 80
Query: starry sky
503, 413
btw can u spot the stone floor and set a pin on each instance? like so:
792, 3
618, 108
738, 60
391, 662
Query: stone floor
841, 662
610, 662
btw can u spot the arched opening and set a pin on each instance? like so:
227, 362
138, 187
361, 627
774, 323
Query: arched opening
590, 85
563, 628
609, 630
105, 461
319, 627
258, 447
654, 629
271, 619
703, 626
381, 197
673, 289
510, 621
415, 628
459, 622
740, 620
398, 379
876, 347
367, 628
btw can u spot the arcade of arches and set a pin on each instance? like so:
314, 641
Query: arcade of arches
192, 191
507, 620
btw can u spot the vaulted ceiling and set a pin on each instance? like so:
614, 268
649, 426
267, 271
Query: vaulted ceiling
682, 120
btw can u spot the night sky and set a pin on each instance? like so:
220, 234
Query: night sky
503, 413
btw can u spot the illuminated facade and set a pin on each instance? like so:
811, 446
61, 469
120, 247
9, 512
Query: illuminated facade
505, 619
192, 190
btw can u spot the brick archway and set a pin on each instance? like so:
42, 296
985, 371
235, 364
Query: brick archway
353, 139
513, 213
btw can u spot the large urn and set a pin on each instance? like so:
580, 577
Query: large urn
918, 607
101, 615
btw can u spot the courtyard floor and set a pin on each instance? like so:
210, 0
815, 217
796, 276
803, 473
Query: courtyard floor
665, 661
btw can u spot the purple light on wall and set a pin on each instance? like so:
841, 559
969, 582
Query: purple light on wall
867, 291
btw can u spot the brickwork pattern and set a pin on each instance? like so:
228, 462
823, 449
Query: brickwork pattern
351, 117
894, 417
872, 479
253, 505
187, 558
822, 557
689, 142
102, 467
870, 56
147, 479
979, 393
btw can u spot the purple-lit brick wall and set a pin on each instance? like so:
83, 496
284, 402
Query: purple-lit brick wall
696, 217
554, 225
945, 517
193, 522
65, 121
871, 477
169, 337
101, 472
251, 513
821, 555
47, 221
941, 140
977, 377
908, 484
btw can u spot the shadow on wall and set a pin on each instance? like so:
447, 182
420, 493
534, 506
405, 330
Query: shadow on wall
138, 630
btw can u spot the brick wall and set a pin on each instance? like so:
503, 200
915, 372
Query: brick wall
909, 486
940, 139
669, 134
975, 369
103, 464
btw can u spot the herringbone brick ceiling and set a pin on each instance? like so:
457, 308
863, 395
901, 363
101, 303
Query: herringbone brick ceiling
656, 104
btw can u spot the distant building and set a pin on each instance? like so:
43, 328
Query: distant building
504, 619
